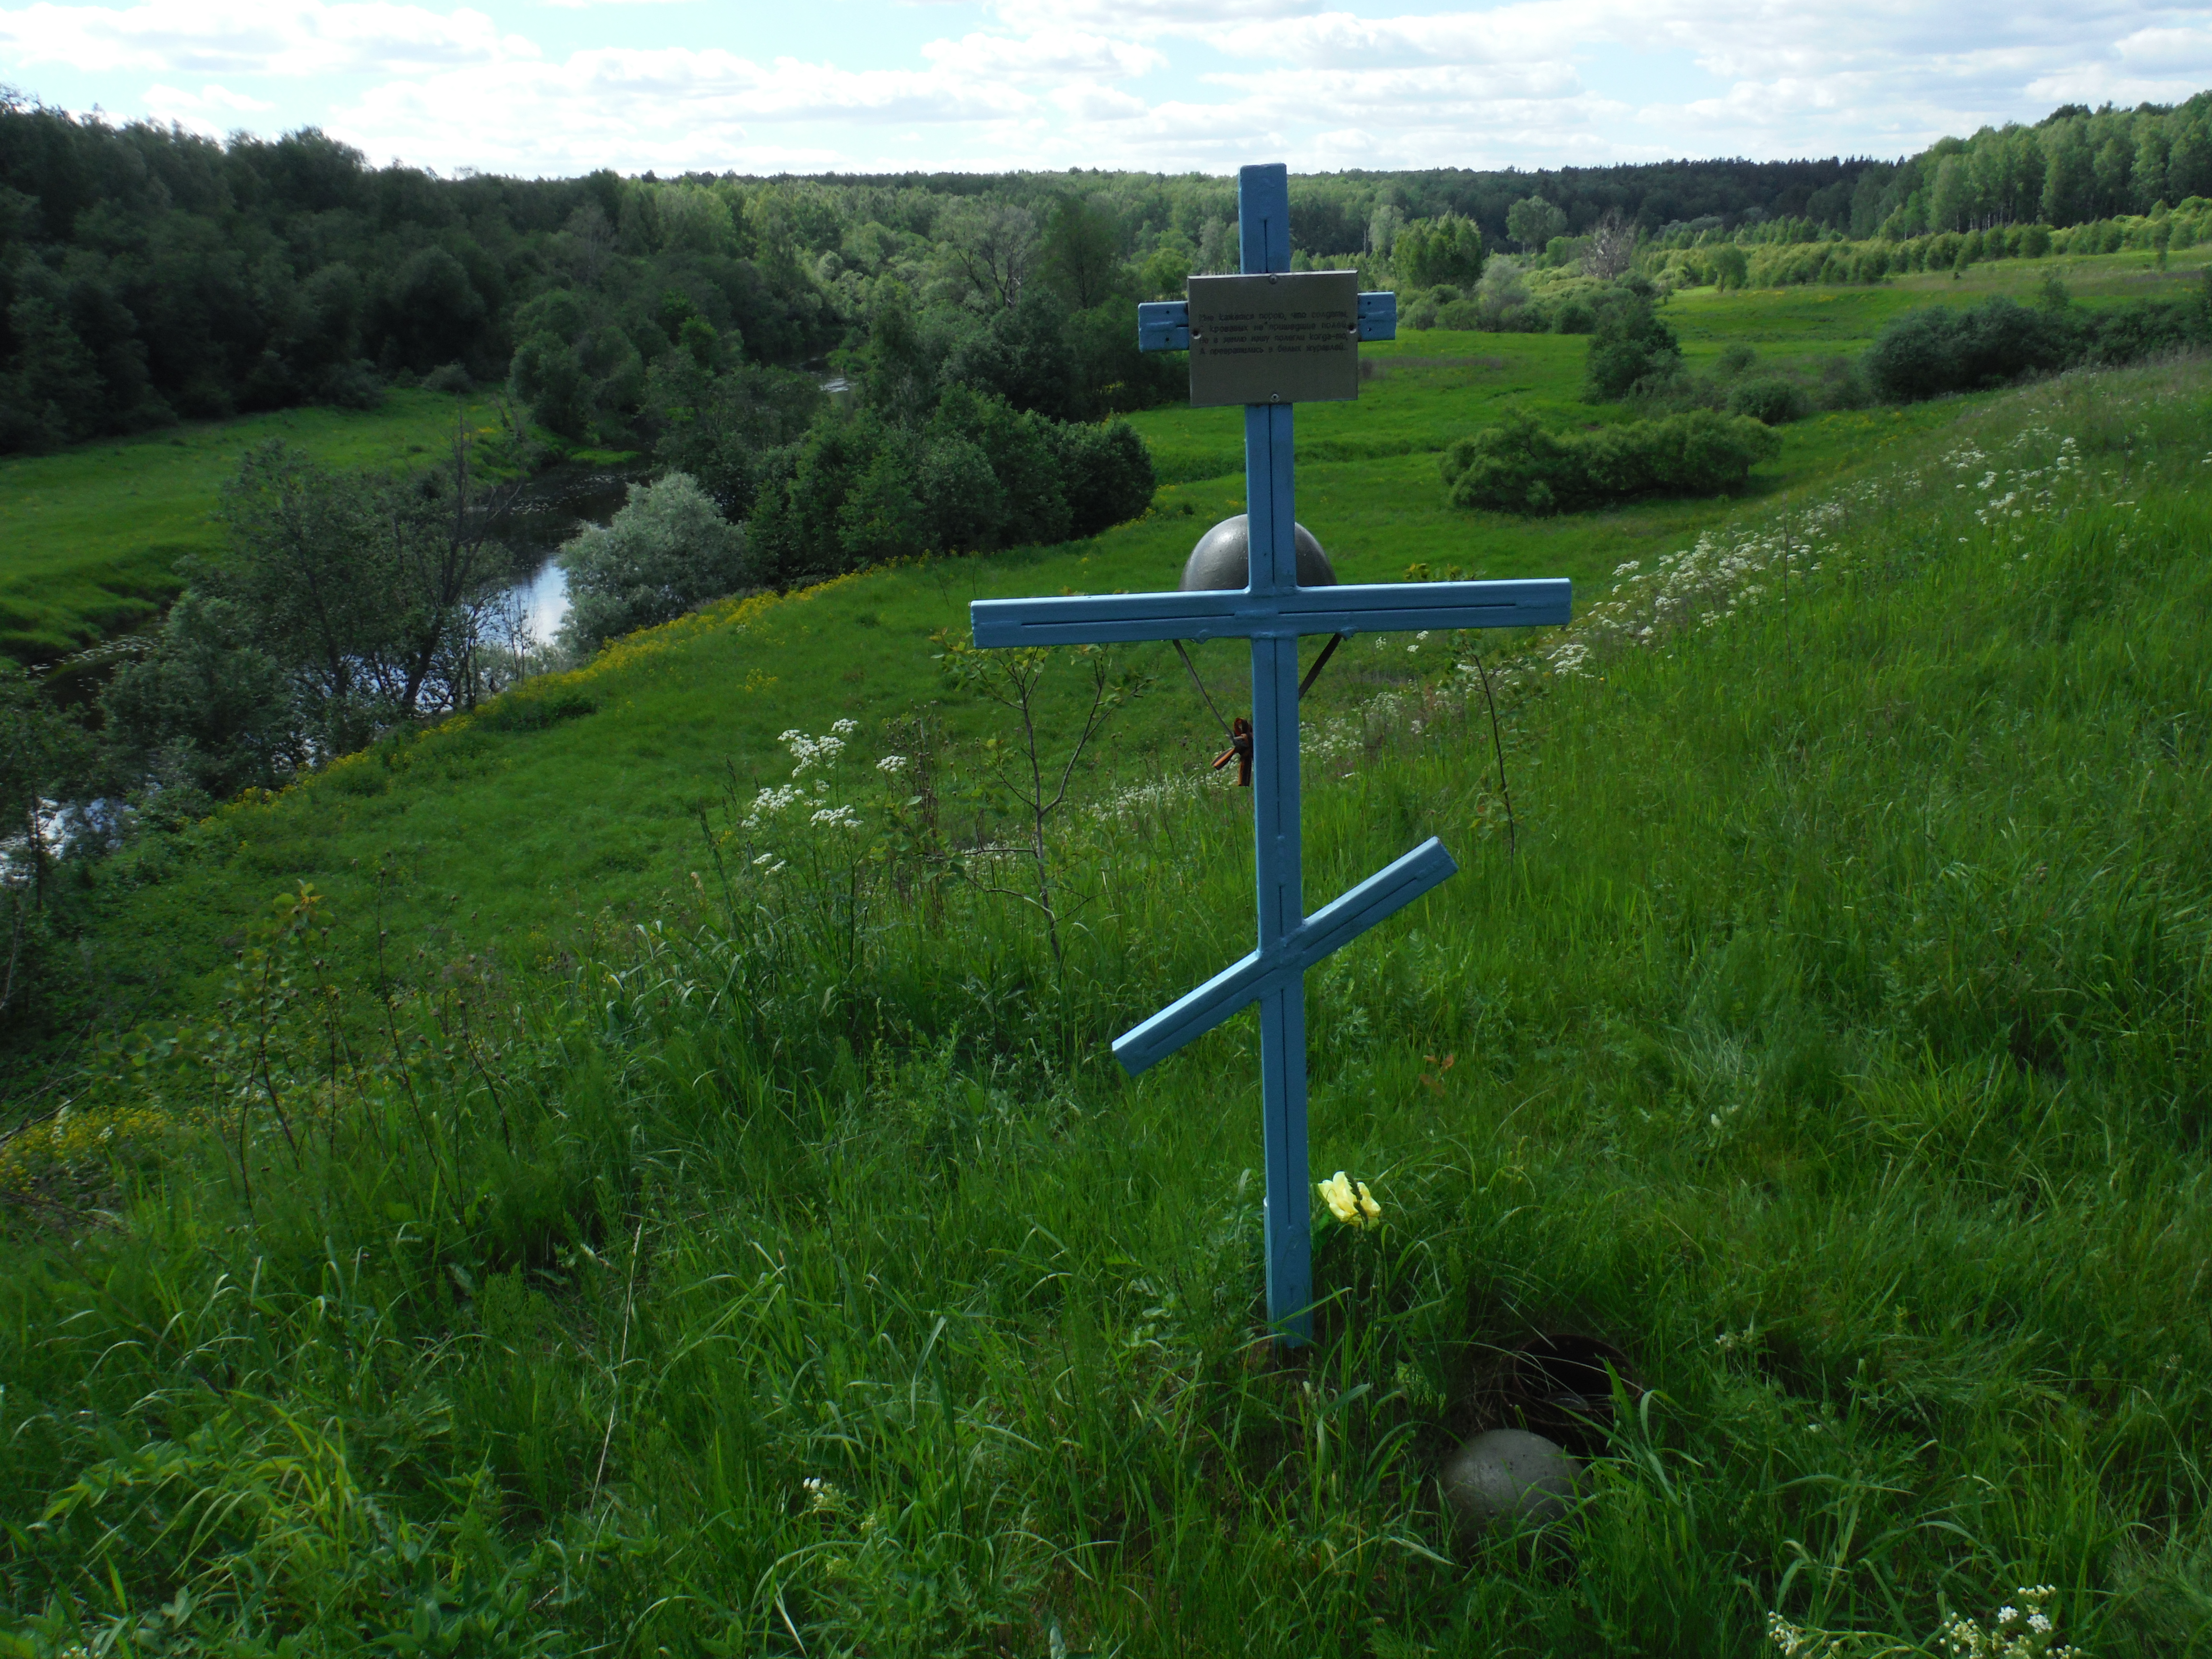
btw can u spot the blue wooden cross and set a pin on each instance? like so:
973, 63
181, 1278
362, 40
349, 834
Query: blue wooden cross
1273, 612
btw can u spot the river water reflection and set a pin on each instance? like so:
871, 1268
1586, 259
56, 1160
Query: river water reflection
552, 508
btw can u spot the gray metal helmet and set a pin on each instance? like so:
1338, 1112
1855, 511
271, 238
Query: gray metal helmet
1222, 559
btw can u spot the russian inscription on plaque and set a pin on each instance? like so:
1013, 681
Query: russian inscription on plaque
1283, 337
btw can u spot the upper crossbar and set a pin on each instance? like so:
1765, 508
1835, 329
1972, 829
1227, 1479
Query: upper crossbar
1164, 325
1371, 607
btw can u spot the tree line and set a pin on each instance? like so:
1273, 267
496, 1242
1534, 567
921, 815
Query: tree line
149, 275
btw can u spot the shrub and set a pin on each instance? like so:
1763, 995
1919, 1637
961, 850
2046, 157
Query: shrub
1937, 350
206, 707
1735, 358
667, 550
1574, 317
1842, 385
1631, 344
1502, 294
1517, 466
1770, 400
1106, 471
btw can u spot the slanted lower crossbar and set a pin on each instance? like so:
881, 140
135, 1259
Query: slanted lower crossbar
1279, 966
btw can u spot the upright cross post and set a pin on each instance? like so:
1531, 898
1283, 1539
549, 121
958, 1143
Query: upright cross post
1263, 222
1267, 338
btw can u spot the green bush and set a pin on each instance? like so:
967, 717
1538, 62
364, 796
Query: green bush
1770, 400
1517, 466
1939, 350
1735, 358
668, 550
1630, 346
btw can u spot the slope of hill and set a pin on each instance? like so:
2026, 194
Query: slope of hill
793, 1273
511, 836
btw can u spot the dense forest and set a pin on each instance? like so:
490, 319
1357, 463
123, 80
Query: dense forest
149, 275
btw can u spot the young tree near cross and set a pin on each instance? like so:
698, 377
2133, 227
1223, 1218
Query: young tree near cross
1298, 332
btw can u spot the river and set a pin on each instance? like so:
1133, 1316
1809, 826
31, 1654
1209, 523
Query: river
552, 508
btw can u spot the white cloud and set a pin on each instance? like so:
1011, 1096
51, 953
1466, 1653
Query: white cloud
666, 107
1046, 53
277, 37
1148, 83
209, 111
209, 97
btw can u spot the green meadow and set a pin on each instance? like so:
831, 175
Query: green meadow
90, 538
526, 1197
519, 840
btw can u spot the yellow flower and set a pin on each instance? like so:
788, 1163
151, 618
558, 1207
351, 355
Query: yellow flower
1349, 1200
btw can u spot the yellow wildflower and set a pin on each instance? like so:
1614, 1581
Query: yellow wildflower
1349, 1200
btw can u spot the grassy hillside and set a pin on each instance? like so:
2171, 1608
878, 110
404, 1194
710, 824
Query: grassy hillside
90, 538
513, 839
796, 1275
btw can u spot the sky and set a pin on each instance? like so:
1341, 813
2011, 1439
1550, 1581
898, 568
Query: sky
553, 88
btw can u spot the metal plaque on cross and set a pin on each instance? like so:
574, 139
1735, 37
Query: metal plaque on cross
1268, 340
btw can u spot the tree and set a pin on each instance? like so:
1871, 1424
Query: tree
1431, 252
548, 378
1632, 347
2069, 176
1612, 245
297, 569
990, 246
898, 374
1951, 203
45, 757
443, 562
372, 593
667, 550
435, 312
1502, 291
1382, 229
1020, 449
1081, 253
1166, 272
1106, 473
719, 428
1023, 355
206, 708
53, 396
1533, 221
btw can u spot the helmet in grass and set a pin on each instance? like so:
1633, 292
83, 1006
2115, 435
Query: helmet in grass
1223, 560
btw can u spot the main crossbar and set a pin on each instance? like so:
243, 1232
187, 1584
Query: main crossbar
1371, 607
1396, 885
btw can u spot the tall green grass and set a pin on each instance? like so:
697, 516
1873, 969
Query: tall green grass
799, 1277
